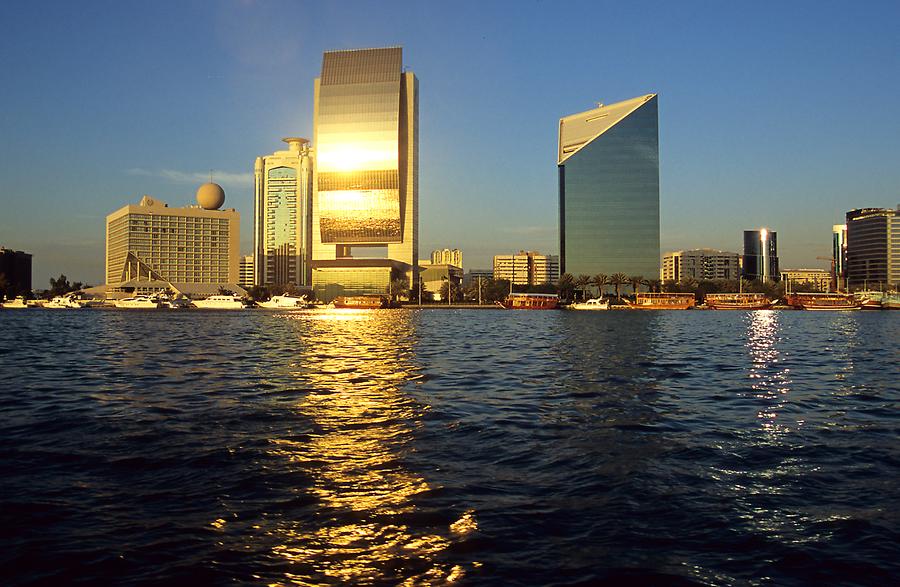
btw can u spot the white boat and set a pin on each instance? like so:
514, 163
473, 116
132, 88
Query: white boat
175, 303
231, 302
63, 303
138, 302
284, 302
591, 304
16, 304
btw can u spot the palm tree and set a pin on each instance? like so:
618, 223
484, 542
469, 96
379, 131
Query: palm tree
601, 280
653, 284
581, 282
564, 285
617, 281
636, 281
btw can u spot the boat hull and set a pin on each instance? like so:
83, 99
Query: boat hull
360, 302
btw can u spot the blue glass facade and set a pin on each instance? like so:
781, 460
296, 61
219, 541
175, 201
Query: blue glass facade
609, 197
761, 255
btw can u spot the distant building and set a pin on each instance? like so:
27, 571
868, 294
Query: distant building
474, 274
433, 275
873, 248
817, 279
700, 264
447, 256
246, 273
282, 229
527, 268
150, 246
365, 214
760, 259
839, 255
608, 163
15, 268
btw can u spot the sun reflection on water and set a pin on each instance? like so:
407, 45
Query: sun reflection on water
364, 426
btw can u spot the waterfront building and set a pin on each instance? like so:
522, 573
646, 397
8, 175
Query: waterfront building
365, 184
700, 264
839, 256
760, 259
448, 256
817, 279
15, 268
282, 239
433, 275
873, 248
527, 268
150, 246
608, 163
473, 275
246, 272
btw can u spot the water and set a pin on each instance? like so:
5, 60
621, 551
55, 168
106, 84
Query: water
435, 447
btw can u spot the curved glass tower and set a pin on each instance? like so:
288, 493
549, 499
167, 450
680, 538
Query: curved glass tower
608, 161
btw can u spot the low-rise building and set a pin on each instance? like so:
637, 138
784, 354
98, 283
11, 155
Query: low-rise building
433, 276
700, 264
527, 268
817, 279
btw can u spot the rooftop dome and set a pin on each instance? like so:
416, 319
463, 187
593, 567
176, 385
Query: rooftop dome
210, 196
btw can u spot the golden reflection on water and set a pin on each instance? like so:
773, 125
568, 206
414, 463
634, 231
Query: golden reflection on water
769, 380
354, 364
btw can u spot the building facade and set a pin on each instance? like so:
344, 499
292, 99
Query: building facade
282, 235
760, 259
434, 275
700, 264
365, 212
15, 268
839, 256
527, 268
815, 279
873, 248
150, 242
608, 163
246, 272
448, 257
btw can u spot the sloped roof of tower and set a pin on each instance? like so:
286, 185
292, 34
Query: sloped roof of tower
578, 130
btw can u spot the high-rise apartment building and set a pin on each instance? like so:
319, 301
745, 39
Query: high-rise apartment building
365, 185
447, 257
873, 248
839, 256
15, 268
700, 264
151, 242
282, 239
608, 162
761, 255
246, 272
527, 268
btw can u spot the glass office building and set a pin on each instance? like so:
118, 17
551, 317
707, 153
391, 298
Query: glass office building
608, 162
760, 260
282, 215
873, 248
365, 201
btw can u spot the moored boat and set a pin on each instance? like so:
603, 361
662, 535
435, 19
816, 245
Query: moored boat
869, 300
662, 301
221, 302
365, 302
738, 301
16, 304
284, 302
138, 302
530, 301
891, 301
591, 304
63, 303
823, 301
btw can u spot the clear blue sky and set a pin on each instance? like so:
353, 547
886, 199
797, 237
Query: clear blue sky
781, 114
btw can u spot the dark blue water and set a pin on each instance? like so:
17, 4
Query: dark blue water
436, 447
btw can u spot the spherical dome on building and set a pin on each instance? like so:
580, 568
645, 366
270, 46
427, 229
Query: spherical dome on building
210, 196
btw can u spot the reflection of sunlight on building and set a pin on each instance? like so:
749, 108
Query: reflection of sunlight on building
364, 423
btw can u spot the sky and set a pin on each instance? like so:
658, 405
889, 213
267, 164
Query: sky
777, 114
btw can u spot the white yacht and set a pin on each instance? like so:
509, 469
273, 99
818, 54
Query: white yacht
138, 302
231, 302
63, 303
284, 302
591, 304
16, 304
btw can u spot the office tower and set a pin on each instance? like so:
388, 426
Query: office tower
700, 264
150, 246
873, 248
527, 268
282, 239
761, 255
246, 273
447, 257
15, 269
608, 162
365, 186
839, 256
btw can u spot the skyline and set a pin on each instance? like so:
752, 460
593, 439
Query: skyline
764, 119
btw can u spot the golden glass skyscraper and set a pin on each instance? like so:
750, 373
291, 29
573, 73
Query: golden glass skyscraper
365, 186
